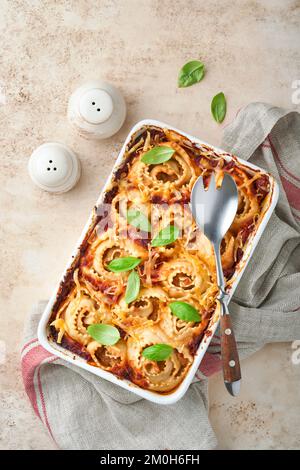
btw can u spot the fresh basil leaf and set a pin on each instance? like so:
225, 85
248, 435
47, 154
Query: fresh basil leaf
104, 334
192, 72
218, 107
139, 220
157, 352
166, 236
119, 265
185, 311
133, 287
159, 154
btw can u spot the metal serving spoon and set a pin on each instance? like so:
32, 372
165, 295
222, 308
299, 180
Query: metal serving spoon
214, 210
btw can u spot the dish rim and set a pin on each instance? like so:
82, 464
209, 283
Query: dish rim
173, 396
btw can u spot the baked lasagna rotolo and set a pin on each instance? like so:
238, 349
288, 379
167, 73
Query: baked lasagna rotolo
142, 290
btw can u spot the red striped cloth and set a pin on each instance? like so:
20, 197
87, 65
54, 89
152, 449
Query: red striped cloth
33, 357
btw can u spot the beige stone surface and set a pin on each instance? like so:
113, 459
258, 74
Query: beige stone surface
251, 52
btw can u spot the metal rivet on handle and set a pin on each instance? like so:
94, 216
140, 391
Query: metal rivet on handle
232, 363
228, 331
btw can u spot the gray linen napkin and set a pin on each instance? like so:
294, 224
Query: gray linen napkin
82, 411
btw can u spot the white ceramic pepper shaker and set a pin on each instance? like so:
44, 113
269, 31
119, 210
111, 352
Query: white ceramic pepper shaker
54, 167
96, 110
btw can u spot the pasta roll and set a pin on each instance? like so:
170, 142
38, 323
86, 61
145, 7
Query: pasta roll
228, 250
79, 314
182, 277
146, 310
108, 285
159, 376
248, 204
110, 358
161, 179
181, 330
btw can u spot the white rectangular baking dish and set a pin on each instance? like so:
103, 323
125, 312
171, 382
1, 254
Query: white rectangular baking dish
174, 396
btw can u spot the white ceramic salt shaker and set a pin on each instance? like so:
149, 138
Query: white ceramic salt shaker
54, 167
96, 110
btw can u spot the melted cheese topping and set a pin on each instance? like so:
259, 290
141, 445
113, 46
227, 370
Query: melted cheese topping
183, 270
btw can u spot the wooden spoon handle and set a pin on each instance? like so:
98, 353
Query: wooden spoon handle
230, 358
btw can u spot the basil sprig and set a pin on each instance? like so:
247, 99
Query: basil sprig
157, 352
218, 107
159, 154
133, 287
104, 334
192, 72
185, 311
119, 265
138, 219
166, 236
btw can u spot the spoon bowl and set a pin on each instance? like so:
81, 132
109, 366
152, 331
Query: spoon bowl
214, 208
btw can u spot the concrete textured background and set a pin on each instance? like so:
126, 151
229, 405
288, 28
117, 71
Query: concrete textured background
251, 52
